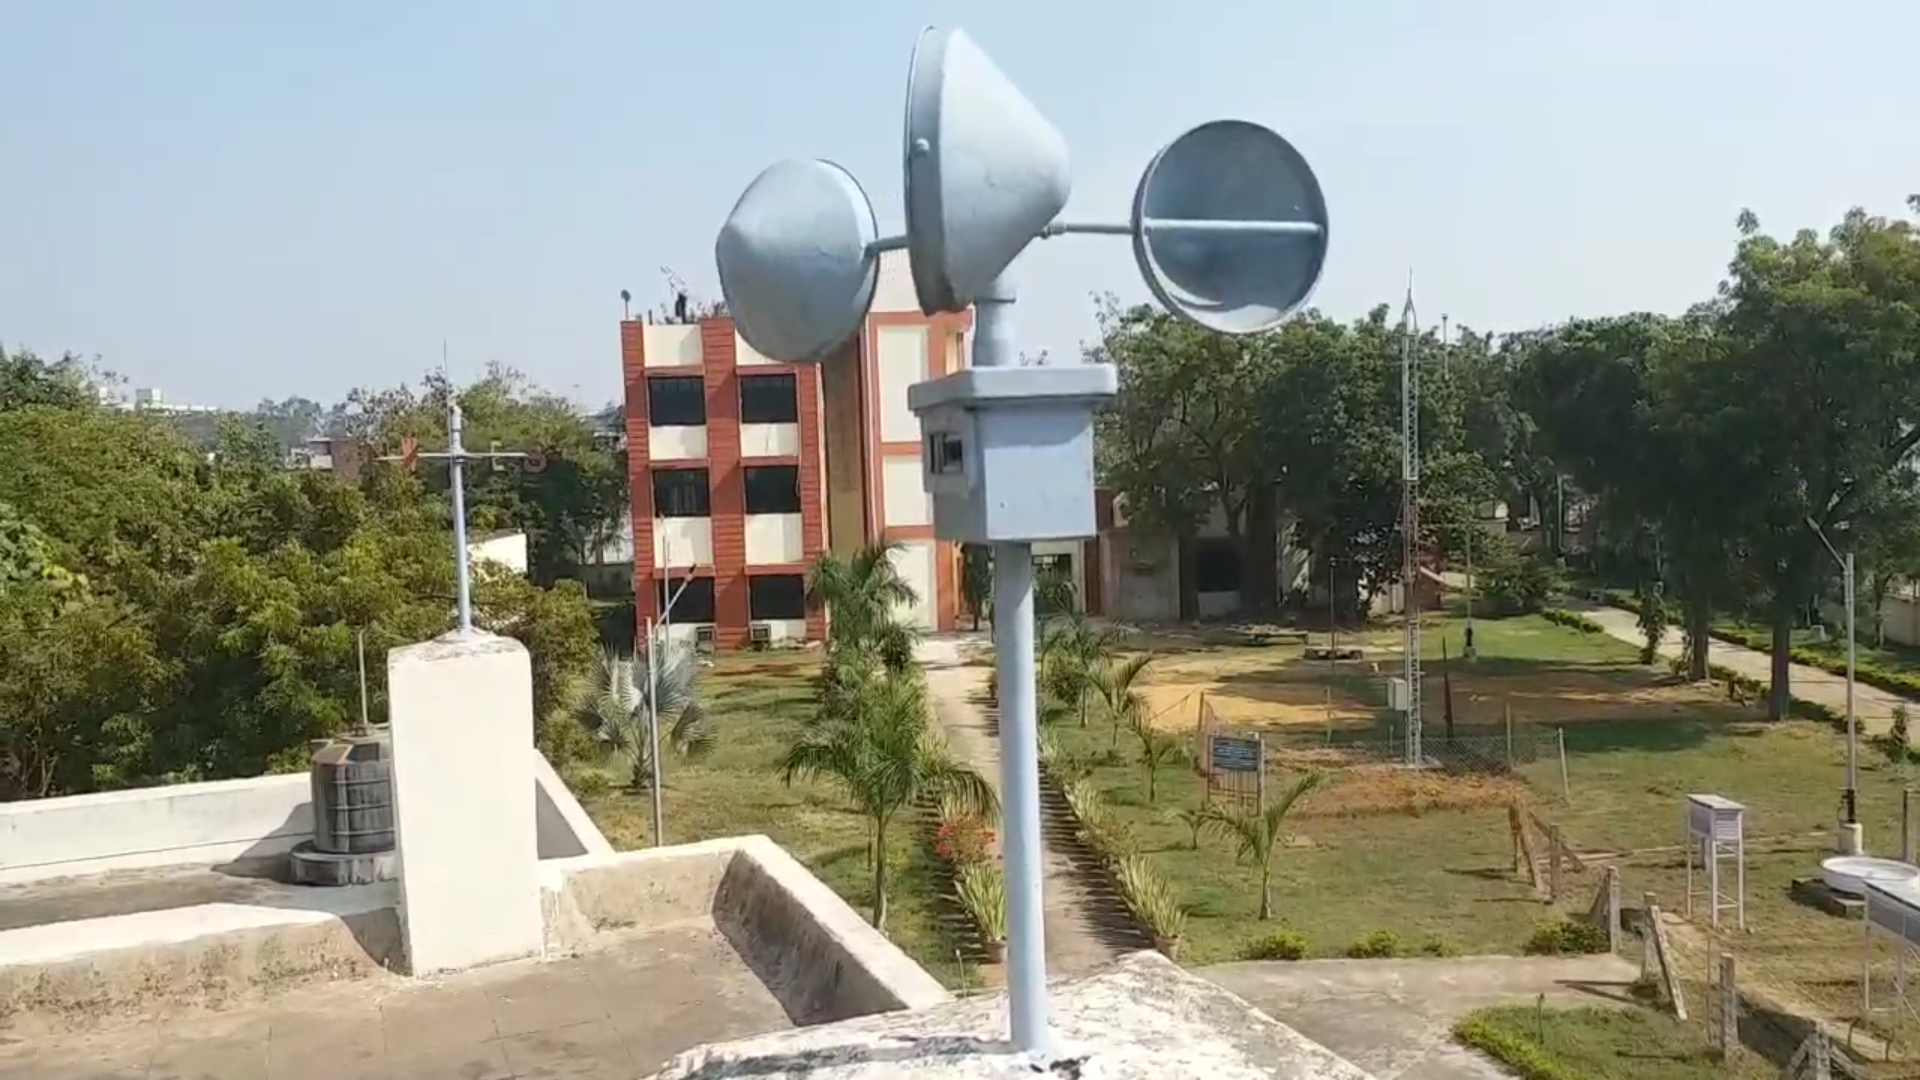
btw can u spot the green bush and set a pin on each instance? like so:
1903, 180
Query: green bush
1526, 1058
1567, 937
1279, 945
1571, 619
1519, 587
1379, 945
1436, 947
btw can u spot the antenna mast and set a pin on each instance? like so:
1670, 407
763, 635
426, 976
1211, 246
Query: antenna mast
1410, 518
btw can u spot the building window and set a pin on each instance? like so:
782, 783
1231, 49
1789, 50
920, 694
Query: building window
769, 399
679, 493
1216, 566
677, 401
693, 605
773, 489
777, 596
1053, 565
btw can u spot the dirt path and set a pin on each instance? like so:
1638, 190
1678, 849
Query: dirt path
1872, 705
1395, 1018
1084, 930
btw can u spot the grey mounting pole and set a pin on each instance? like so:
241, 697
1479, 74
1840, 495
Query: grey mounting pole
456, 455
1013, 647
1853, 723
653, 734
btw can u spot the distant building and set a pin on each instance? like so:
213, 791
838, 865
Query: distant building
744, 470
343, 457
152, 399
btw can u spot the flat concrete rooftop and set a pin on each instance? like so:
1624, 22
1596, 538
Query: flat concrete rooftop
617, 1012
131, 892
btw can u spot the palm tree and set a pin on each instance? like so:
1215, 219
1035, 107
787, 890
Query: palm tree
976, 580
1257, 832
860, 594
611, 701
881, 749
1126, 704
1073, 652
1157, 750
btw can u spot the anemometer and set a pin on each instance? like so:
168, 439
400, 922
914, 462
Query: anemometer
1229, 230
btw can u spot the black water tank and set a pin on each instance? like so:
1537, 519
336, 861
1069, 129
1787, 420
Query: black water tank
353, 795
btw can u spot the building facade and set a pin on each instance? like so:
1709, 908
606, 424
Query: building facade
743, 470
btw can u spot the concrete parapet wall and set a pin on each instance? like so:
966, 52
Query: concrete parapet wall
222, 821
817, 956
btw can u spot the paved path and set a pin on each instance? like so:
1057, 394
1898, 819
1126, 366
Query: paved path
1083, 932
1394, 1018
1872, 705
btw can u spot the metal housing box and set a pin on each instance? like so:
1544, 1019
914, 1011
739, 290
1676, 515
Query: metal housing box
1007, 452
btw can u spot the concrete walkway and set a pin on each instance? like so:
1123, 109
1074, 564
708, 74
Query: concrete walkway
1872, 705
1078, 938
1394, 1018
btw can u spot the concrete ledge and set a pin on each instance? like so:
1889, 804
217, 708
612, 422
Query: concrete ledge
200, 956
1142, 1019
813, 952
244, 822
217, 822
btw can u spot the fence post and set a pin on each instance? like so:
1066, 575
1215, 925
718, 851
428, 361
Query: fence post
1566, 789
1729, 1028
1822, 1056
1648, 908
1907, 834
1614, 942
1553, 864
1509, 712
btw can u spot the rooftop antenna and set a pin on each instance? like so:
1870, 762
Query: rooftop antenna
456, 455
626, 306
1410, 517
1229, 229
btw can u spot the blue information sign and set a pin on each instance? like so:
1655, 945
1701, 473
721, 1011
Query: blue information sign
1233, 753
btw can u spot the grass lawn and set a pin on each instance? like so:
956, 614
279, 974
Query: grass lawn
759, 701
1602, 1044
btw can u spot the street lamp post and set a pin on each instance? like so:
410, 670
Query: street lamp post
1850, 833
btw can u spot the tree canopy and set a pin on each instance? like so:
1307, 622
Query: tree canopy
1709, 451
172, 610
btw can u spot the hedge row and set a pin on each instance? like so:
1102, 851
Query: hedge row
1528, 1059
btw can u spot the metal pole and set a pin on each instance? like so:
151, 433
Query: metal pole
1471, 526
1853, 740
455, 453
1013, 632
360, 639
653, 736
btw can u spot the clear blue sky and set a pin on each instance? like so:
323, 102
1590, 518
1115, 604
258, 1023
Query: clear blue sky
232, 200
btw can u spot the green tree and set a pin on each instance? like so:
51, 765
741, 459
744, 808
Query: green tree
861, 594
614, 704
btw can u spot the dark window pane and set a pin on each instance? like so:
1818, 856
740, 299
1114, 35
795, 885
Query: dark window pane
1216, 566
681, 493
769, 399
694, 605
777, 596
773, 489
677, 401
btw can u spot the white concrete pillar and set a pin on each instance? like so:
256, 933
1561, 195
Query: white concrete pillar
463, 797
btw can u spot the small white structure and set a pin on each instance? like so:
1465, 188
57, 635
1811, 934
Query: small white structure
1717, 836
1893, 912
463, 801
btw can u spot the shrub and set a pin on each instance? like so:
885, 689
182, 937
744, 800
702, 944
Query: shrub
588, 783
1526, 1058
1571, 619
1436, 947
1279, 945
963, 840
982, 889
1567, 937
1150, 898
1515, 585
1379, 945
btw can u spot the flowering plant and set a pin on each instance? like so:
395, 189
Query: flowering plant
963, 841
